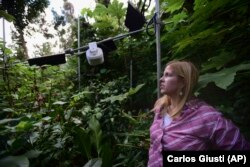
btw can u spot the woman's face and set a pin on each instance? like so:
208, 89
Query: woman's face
170, 83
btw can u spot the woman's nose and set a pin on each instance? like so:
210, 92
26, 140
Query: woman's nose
161, 79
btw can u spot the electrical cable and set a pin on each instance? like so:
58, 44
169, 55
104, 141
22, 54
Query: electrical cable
151, 21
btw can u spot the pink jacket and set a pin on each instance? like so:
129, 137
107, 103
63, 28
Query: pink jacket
200, 127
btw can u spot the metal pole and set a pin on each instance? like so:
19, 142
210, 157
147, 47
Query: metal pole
118, 37
4, 57
131, 73
3, 34
158, 45
79, 58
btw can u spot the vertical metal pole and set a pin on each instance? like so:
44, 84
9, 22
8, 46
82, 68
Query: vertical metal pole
158, 45
131, 79
3, 34
4, 57
131, 73
79, 58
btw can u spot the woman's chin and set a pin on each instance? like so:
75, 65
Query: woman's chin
162, 92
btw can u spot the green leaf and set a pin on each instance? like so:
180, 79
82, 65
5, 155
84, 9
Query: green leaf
33, 137
135, 90
4, 121
83, 141
218, 61
113, 98
116, 9
87, 11
96, 162
173, 5
67, 114
81, 95
7, 16
199, 4
130, 118
190, 41
32, 154
20, 161
106, 155
24, 125
59, 103
94, 126
100, 9
59, 143
8, 110
47, 118
223, 78
176, 19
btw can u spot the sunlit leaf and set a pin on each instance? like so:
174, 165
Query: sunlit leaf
24, 125
135, 90
59, 103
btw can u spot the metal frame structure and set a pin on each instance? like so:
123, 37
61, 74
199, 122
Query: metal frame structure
158, 44
157, 23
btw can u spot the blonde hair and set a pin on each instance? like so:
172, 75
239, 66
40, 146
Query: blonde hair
190, 74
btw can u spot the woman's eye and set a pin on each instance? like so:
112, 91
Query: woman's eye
167, 74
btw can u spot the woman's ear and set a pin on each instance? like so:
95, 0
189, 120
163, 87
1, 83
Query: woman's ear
182, 83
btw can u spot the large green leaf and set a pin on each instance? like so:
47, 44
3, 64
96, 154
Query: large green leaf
87, 12
193, 40
24, 125
33, 154
94, 125
8, 110
223, 78
13, 161
176, 19
135, 90
116, 9
96, 162
59, 103
114, 98
173, 5
199, 4
83, 141
124, 96
129, 117
106, 155
218, 61
8, 120
6, 16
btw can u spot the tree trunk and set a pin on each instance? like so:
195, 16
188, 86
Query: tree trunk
22, 44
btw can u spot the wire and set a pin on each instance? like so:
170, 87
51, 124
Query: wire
151, 21
118, 37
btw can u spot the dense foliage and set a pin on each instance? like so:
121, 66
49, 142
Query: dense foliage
46, 120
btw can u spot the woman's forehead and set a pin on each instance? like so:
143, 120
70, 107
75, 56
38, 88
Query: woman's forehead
169, 69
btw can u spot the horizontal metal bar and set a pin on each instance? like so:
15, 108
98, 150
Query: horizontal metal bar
118, 37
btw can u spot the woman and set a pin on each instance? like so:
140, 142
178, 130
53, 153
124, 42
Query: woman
183, 122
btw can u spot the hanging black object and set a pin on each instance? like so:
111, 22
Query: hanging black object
49, 60
134, 18
107, 46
